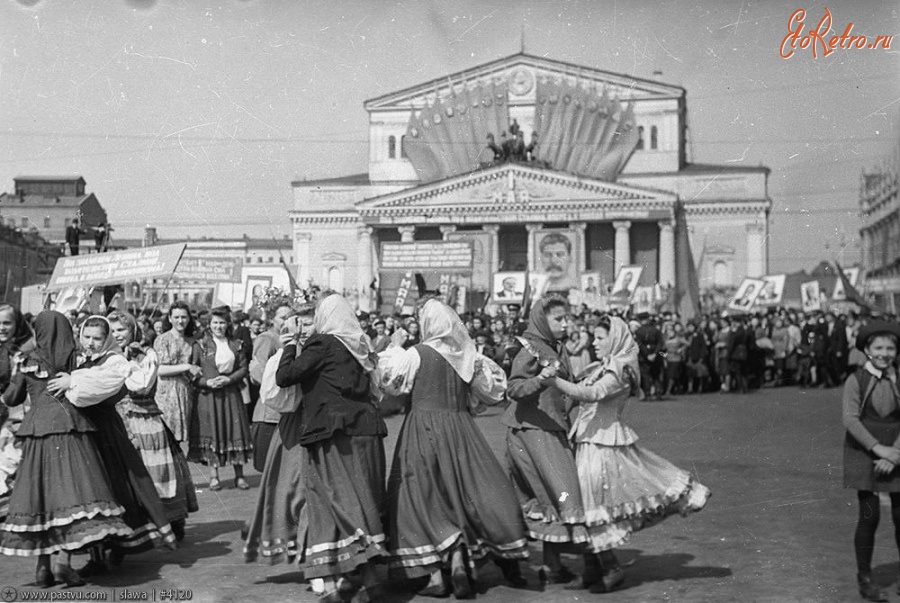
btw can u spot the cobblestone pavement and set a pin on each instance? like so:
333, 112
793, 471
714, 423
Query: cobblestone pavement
779, 526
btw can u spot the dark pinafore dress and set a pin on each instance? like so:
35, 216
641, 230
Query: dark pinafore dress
446, 487
131, 482
859, 463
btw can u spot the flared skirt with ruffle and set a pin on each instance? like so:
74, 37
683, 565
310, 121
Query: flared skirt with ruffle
62, 499
628, 488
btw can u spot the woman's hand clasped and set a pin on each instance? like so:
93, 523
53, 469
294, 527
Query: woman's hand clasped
217, 382
59, 384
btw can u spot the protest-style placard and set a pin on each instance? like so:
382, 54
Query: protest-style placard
115, 267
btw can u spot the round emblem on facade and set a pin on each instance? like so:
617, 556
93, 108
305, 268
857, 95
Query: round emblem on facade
521, 81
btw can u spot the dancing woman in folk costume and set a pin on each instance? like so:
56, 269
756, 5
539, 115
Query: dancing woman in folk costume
277, 530
63, 500
95, 387
450, 502
342, 433
541, 461
625, 487
143, 419
872, 442
16, 339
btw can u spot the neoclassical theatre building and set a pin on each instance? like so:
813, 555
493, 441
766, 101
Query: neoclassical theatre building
599, 157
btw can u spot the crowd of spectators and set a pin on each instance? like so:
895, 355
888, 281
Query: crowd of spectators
710, 353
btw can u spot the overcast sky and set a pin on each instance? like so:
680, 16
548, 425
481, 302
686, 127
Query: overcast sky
202, 113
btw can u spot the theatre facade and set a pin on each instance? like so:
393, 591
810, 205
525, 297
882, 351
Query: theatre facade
609, 173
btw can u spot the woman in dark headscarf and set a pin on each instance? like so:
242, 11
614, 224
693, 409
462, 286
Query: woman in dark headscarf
542, 464
342, 432
15, 339
451, 504
14, 334
95, 387
62, 501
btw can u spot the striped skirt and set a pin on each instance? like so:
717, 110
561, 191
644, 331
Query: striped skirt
163, 458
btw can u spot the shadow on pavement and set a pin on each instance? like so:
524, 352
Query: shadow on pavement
200, 543
672, 566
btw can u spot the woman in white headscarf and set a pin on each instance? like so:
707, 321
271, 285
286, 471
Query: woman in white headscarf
451, 502
625, 488
342, 433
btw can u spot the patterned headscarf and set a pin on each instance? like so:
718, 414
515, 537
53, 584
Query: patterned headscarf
110, 346
444, 332
620, 351
335, 317
538, 334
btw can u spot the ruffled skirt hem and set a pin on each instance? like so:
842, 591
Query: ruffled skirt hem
424, 560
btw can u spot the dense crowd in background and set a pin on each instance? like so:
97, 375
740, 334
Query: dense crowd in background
297, 390
742, 352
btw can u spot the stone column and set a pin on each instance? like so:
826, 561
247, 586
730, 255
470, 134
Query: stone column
493, 230
623, 244
756, 252
407, 233
580, 250
364, 270
666, 253
446, 230
532, 247
302, 246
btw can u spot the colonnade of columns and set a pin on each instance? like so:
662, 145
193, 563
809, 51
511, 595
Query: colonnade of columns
622, 250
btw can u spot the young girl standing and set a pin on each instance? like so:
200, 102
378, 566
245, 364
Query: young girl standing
872, 443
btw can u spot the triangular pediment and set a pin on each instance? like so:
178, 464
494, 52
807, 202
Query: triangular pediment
521, 71
513, 188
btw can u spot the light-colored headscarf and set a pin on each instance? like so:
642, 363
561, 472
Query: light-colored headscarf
110, 346
620, 350
444, 332
335, 317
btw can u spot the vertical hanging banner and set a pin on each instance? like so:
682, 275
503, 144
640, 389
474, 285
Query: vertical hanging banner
403, 291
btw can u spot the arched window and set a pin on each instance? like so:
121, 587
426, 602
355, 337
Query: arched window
640, 143
335, 279
392, 147
653, 137
721, 278
403, 146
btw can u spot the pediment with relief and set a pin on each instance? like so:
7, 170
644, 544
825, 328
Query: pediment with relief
513, 187
520, 72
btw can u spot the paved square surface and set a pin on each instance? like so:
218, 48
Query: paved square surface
779, 526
